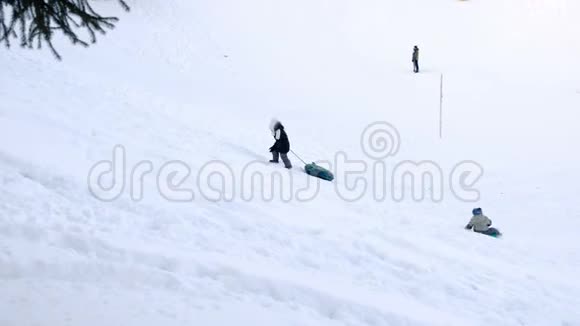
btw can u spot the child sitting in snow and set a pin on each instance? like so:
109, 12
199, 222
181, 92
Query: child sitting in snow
481, 224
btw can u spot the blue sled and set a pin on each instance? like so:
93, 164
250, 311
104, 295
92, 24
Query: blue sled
318, 171
492, 232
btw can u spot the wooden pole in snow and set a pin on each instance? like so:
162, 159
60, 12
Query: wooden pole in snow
441, 109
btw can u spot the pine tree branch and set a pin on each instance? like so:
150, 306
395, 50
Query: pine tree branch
34, 22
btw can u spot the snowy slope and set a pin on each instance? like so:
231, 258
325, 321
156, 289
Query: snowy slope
198, 82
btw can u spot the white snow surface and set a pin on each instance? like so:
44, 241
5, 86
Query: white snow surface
199, 81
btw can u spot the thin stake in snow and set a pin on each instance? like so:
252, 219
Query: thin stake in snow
441, 108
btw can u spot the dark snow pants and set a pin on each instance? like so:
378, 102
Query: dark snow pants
285, 159
416, 66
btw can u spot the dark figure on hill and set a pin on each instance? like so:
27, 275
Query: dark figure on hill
282, 145
416, 59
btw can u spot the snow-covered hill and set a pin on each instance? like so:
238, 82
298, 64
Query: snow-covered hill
198, 81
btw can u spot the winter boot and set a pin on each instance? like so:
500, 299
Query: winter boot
275, 156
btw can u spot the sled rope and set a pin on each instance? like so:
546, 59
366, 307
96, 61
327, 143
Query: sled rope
298, 157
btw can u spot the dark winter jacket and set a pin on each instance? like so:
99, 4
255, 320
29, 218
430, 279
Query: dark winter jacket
282, 145
415, 54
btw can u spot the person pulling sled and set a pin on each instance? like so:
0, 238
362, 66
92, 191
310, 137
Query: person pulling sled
282, 145
482, 224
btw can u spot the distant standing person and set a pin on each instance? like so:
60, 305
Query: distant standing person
282, 145
416, 59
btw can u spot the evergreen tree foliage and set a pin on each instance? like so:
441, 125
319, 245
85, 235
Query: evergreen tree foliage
34, 22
